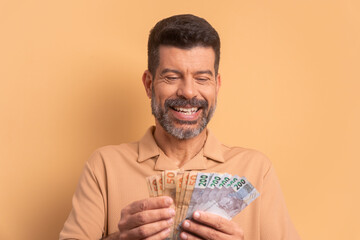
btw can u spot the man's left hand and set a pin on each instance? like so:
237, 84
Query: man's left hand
210, 226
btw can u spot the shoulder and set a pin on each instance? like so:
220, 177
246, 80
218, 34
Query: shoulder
113, 154
247, 160
245, 154
234, 154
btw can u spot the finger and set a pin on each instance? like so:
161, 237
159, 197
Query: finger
148, 204
146, 217
155, 229
161, 235
188, 236
203, 231
215, 221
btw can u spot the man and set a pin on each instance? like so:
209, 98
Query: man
182, 82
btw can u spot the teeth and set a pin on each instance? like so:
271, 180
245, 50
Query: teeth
186, 110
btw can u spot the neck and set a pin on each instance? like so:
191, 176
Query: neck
180, 151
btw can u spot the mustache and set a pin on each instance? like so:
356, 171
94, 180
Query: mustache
182, 102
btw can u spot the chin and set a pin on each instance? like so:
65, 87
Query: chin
184, 133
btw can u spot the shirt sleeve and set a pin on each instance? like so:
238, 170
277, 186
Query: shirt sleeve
275, 220
87, 217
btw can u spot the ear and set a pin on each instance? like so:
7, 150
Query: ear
147, 81
218, 83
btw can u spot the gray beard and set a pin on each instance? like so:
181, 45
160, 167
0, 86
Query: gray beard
167, 123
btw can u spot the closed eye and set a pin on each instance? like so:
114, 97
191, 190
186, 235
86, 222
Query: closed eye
172, 78
202, 79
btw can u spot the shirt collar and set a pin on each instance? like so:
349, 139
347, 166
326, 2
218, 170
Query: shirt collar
213, 148
147, 146
148, 149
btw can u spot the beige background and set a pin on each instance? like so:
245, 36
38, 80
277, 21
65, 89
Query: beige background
70, 74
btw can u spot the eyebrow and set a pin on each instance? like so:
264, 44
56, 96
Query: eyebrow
205, 72
167, 70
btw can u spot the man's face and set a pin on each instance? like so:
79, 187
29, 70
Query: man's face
184, 90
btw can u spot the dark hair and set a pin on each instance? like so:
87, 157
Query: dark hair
183, 31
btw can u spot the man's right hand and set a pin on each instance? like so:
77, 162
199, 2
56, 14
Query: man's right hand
150, 218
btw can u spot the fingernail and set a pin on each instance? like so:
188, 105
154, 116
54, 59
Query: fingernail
170, 221
183, 235
171, 212
186, 224
196, 215
168, 201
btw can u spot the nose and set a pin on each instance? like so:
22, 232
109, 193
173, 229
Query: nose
187, 88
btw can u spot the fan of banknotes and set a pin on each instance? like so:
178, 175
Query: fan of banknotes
218, 193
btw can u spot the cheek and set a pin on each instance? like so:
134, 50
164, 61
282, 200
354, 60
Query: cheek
210, 95
160, 99
164, 92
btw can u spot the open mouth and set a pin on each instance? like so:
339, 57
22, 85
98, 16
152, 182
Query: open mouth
186, 111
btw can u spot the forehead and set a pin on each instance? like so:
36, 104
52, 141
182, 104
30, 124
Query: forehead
193, 59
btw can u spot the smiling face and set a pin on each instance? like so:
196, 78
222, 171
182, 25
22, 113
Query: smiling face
184, 90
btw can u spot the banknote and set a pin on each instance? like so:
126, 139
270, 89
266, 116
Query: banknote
218, 193
188, 193
202, 181
181, 181
203, 203
159, 184
170, 184
152, 186
148, 183
170, 188
242, 194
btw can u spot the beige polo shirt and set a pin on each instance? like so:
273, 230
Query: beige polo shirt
114, 176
